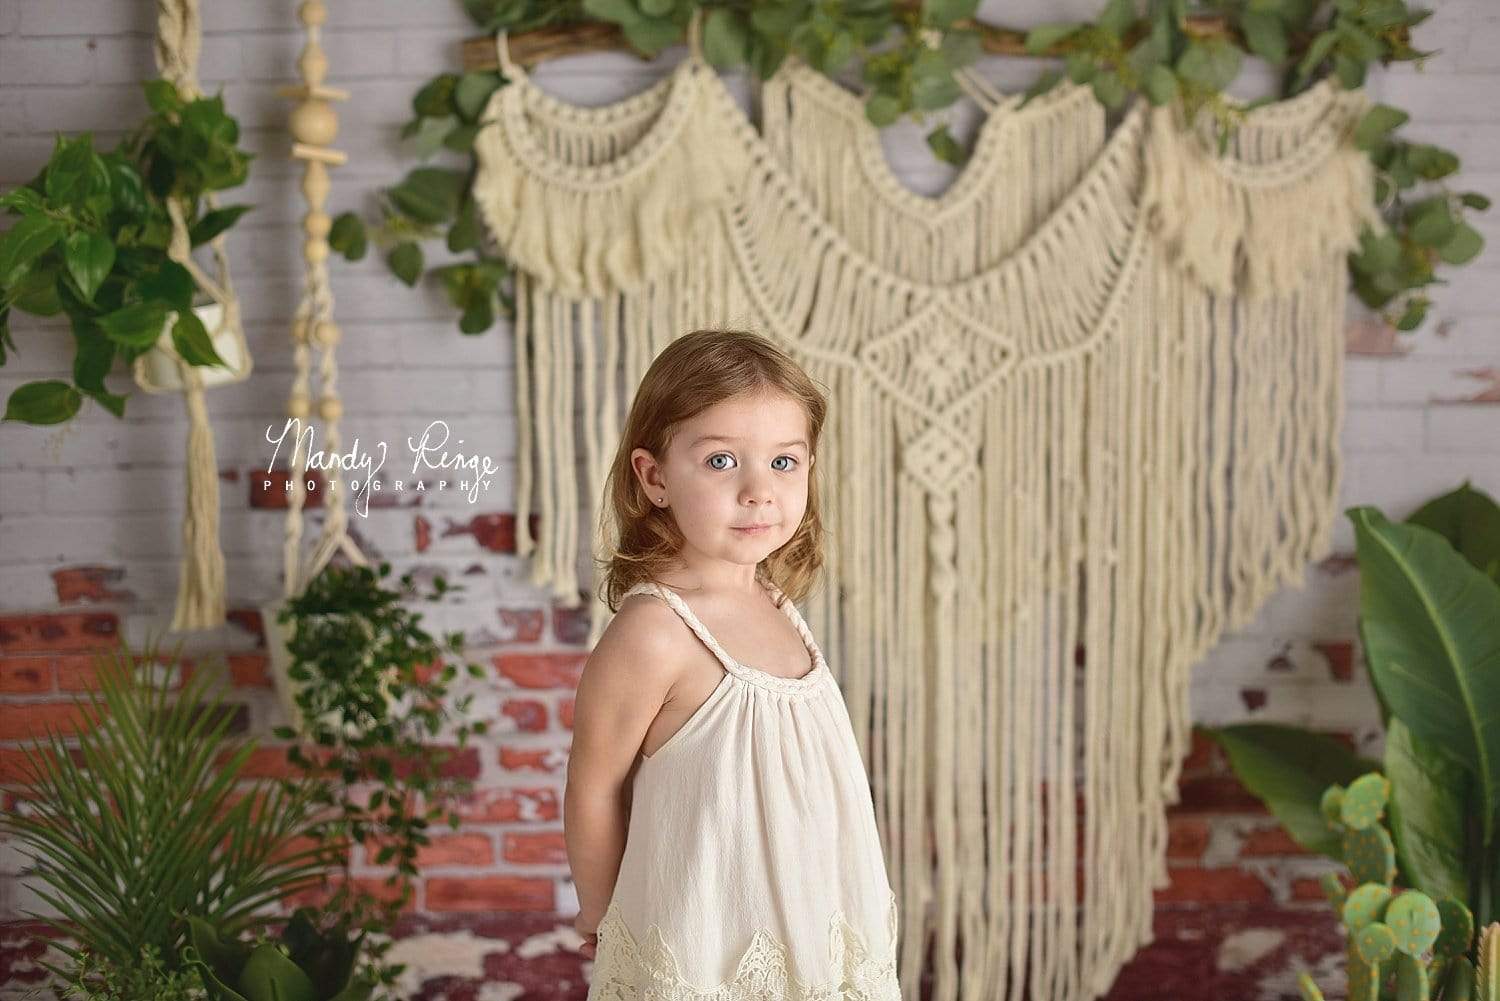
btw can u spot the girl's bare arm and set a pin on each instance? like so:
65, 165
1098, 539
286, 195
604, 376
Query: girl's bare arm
625, 681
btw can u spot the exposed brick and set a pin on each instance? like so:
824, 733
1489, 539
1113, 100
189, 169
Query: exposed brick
61, 632
1340, 657
1197, 885
533, 759
269, 490
34, 720
534, 848
541, 670
421, 533
87, 584
530, 715
249, 670
26, 675
494, 532
571, 625
521, 625
1187, 837
1215, 794
539, 804
1270, 841
445, 849
490, 893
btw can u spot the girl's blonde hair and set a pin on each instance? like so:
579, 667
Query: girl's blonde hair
694, 372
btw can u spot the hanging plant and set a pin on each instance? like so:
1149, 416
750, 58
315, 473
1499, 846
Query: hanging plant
94, 243
369, 691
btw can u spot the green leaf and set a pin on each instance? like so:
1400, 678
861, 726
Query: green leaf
656, 8
191, 339
1377, 123
1474, 200
882, 110
434, 99
1415, 313
1288, 769
1116, 18
6, 343
162, 96
726, 38
1429, 619
1427, 813
268, 975
1431, 162
473, 92
22, 200
171, 284
215, 222
429, 194
430, 134
93, 356
35, 292
347, 236
651, 35
1463, 246
1349, 70
944, 146
1212, 64
25, 242
1470, 520
1265, 35
1432, 223
405, 261
460, 138
465, 233
1080, 67
47, 402
135, 326
1044, 36
942, 13
89, 257
68, 173
1109, 89
112, 402
1161, 85
478, 316
1317, 51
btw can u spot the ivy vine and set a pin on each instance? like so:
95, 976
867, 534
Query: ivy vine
1162, 50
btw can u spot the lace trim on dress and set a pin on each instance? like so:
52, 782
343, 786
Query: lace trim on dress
630, 970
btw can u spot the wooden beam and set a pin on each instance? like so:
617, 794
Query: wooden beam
531, 47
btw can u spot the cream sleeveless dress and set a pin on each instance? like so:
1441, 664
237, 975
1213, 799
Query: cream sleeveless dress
753, 868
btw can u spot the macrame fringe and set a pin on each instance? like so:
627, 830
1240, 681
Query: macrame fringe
581, 232
1240, 227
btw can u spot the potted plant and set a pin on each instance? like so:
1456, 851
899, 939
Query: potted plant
105, 239
152, 817
305, 962
1429, 626
368, 691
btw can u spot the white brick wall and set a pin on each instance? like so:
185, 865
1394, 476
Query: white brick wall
102, 491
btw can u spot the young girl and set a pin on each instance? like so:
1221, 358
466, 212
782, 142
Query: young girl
717, 815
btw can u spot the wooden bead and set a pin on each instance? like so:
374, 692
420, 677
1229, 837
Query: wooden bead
314, 122
313, 64
313, 14
299, 406
328, 334
299, 331
315, 249
316, 223
330, 408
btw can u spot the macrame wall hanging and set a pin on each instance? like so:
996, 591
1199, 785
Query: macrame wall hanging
314, 125
1066, 459
200, 580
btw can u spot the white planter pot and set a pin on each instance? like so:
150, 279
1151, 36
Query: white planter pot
279, 661
156, 371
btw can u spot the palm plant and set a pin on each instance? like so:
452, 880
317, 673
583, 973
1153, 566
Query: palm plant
142, 824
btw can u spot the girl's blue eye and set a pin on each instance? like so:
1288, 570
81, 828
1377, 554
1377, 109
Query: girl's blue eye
711, 459
787, 469
779, 469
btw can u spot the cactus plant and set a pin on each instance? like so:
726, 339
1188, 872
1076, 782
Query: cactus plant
1366, 904
1334, 889
1363, 803
1376, 943
1411, 979
1370, 854
1332, 805
1458, 982
1414, 918
1487, 978
1309, 987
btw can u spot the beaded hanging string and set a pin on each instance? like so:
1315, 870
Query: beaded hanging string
314, 125
200, 580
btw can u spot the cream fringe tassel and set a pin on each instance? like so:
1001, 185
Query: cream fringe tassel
1065, 466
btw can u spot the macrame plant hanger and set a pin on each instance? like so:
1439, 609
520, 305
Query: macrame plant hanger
314, 125
200, 582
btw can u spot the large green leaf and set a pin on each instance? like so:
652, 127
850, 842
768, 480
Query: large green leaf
89, 257
1470, 520
1430, 625
1288, 770
1427, 814
25, 242
268, 975
135, 326
47, 401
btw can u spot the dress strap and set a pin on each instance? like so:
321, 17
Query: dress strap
674, 599
502, 54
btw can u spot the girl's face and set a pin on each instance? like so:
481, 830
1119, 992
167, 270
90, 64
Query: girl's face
743, 462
